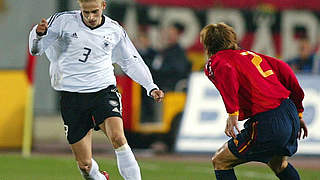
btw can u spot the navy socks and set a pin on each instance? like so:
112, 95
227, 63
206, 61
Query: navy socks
289, 173
225, 174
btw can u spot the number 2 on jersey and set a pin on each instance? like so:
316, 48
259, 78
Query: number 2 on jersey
256, 60
86, 55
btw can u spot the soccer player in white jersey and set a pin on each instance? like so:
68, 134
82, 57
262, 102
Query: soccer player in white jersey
81, 47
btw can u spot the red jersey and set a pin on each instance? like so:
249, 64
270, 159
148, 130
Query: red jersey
252, 83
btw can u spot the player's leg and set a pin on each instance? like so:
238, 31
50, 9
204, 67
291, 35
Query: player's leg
108, 118
127, 164
289, 126
283, 169
83, 155
234, 152
88, 167
223, 162
78, 129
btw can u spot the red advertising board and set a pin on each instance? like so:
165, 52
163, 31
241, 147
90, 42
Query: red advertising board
280, 4
124, 84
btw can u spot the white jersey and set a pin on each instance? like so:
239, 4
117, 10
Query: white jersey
81, 57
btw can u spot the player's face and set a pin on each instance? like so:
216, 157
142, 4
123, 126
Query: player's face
92, 12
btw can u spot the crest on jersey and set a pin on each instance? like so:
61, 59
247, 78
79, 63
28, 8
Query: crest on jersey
74, 35
106, 42
113, 103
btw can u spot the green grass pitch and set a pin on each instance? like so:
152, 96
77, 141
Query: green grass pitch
62, 167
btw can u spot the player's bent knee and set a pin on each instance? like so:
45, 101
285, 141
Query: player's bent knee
218, 163
214, 160
221, 161
118, 140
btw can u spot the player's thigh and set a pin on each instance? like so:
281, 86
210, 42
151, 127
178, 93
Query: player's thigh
82, 149
112, 125
107, 105
278, 163
76, 115
225, 159
113, 128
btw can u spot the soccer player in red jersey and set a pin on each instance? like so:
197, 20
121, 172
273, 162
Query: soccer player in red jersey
261, 90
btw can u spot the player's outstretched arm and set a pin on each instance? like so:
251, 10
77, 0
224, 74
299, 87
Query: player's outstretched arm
157, 95
130, 61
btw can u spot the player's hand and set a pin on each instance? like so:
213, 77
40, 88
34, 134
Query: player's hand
42, 27
232, 122
157, 95
303, 127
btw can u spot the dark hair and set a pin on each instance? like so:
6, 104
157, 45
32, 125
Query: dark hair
217, 37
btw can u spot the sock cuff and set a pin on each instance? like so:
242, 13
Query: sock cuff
123, 148
227, 174
225, 171
289, 165
94, 167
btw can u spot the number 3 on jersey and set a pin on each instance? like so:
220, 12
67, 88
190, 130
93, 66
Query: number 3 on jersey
86, 55
256, 60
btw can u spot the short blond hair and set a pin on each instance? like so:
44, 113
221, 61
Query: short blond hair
217, 37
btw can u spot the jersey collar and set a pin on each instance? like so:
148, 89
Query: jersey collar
92, 28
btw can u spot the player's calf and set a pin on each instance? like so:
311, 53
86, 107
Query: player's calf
288, 173
278, 164
283, 169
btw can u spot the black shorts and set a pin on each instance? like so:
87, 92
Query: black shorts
84, 111
268, 134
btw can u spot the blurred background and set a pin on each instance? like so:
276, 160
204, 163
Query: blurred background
166, 33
